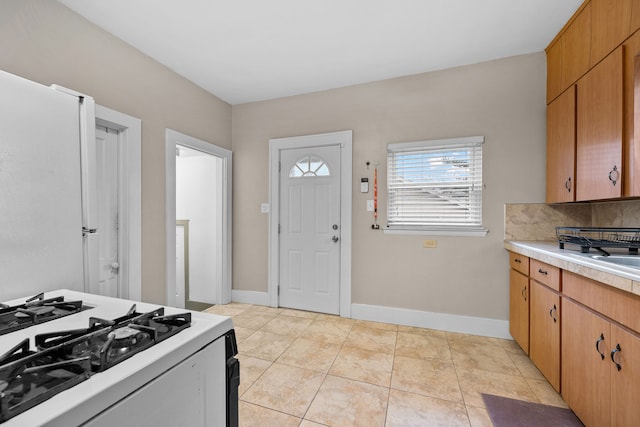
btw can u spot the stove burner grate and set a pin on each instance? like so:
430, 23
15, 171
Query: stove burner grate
36, 310
66, 358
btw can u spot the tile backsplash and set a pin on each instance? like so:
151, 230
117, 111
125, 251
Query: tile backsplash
538, 221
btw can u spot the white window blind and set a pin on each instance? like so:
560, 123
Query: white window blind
435, 185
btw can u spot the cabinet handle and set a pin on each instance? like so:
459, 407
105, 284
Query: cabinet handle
567, 184
553, 310
614, 175
613, 353
598, 346
524, 293
517, 261
541, 271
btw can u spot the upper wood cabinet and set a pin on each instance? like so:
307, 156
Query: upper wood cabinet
561, 148
554, 70
576, 47
610, 23
635, 16
631, 153
599, 130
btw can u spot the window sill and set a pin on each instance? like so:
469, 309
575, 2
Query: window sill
475, 232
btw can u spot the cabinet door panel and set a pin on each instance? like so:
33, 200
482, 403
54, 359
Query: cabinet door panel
610, 22
519, 309
554, 70
544, 338
586, 375
576, 48
561, 147
599, 131
625, 392
635, 16
631, 154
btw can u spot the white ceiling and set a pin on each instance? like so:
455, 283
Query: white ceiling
251, 50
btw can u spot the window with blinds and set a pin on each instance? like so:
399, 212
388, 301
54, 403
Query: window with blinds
436, 186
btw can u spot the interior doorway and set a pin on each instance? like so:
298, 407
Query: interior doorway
108, 195
118, 260
199, 212
198, 194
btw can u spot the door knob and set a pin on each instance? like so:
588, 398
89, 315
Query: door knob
335, 239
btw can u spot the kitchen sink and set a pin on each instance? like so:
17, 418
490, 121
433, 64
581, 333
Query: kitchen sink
626, 260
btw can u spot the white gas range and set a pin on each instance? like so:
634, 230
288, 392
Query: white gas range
183, 378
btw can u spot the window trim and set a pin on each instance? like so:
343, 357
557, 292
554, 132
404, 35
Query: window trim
436, 230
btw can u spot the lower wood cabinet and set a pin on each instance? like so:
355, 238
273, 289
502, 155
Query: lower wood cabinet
583, 335
625, 381
586, 371
544, 331
519, 308
600, 364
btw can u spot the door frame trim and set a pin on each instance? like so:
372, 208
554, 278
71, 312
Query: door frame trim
344, 139
130, 199
173, 138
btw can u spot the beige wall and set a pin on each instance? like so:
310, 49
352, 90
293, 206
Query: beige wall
43, 41
503, 100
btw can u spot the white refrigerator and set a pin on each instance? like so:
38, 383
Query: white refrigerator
47, 206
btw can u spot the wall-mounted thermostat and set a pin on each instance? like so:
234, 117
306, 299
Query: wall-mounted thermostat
364, 185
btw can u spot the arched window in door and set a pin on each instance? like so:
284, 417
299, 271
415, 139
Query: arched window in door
309, 166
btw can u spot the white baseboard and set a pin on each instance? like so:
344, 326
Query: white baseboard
250, 297
424, 319
402, 316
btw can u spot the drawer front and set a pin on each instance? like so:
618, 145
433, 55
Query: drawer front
623, 307
519, 263
544, 273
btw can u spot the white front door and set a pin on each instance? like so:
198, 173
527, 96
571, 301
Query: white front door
107, 194
310, 228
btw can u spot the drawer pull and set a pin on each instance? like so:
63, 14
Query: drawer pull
517, 261
613, 353
567, 184
598, 346
524, 293
541, 271
553, 313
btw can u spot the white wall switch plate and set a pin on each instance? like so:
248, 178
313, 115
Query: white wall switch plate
369, 205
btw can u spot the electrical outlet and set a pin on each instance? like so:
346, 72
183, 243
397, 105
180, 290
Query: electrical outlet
430, 244
264, 207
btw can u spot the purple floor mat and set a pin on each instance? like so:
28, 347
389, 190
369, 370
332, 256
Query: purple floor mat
505, 412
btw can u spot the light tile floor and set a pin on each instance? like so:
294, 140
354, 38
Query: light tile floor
306, 369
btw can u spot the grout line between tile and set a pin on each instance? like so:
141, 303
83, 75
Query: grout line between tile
345, 343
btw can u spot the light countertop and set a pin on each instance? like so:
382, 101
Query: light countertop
571, 259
